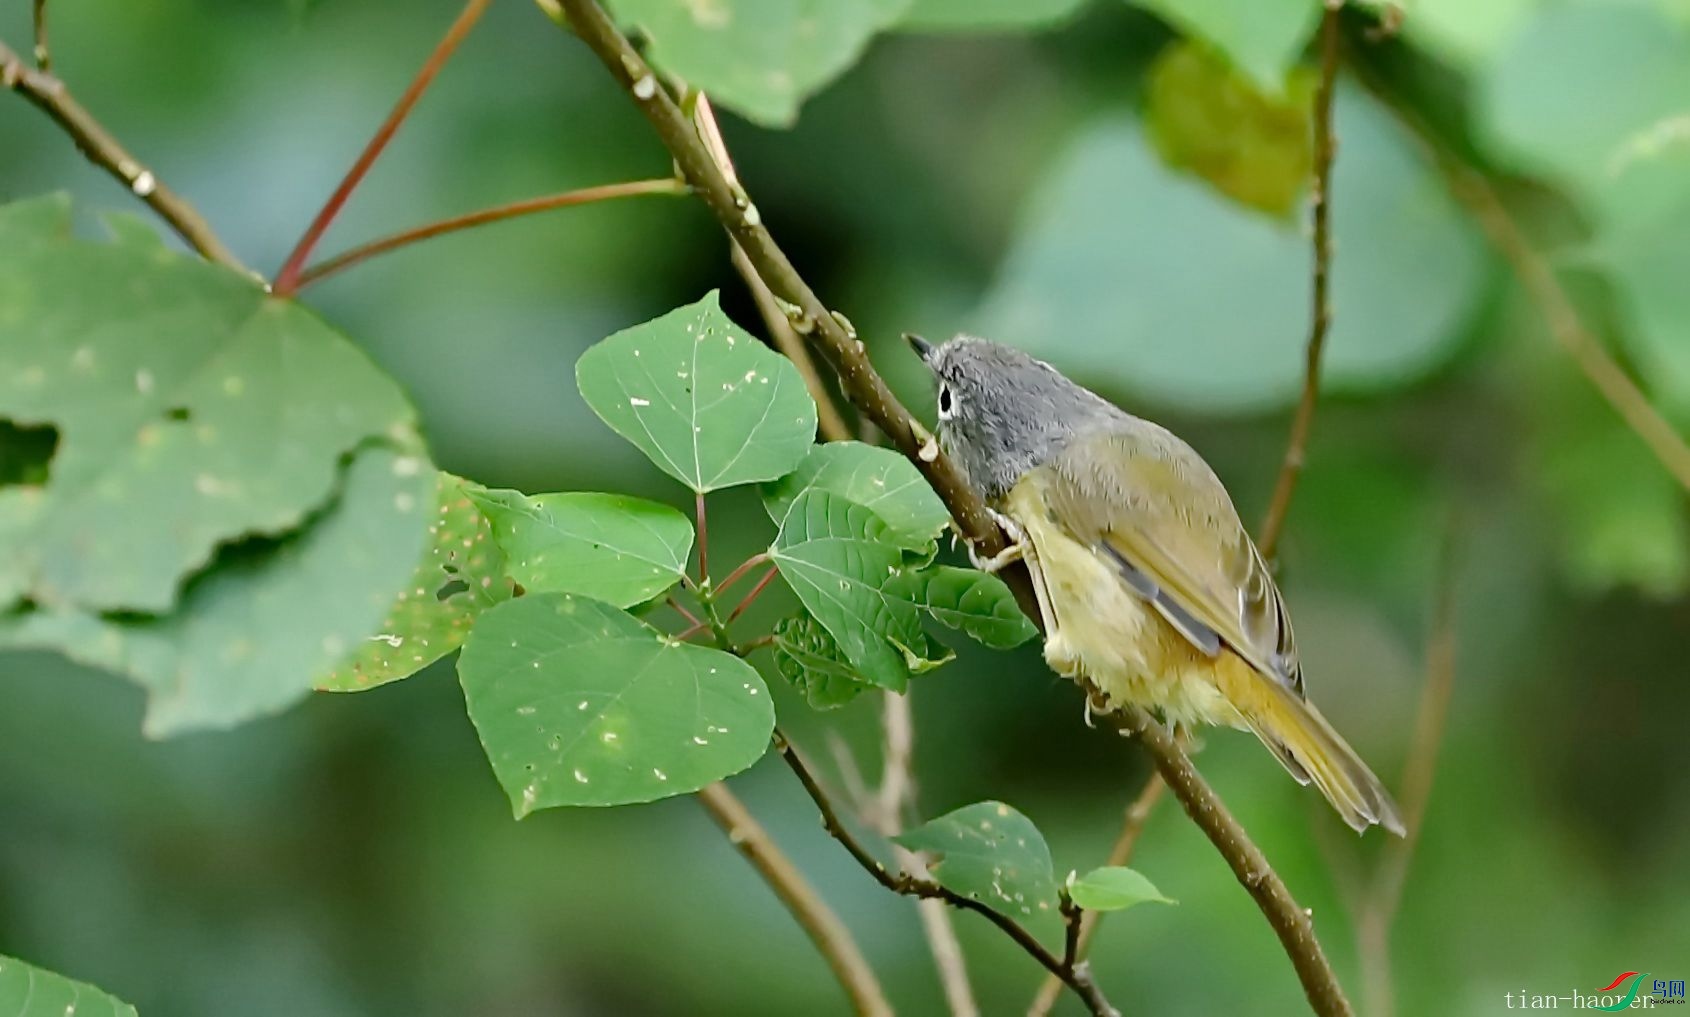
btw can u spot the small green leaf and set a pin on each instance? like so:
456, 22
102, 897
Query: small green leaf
841, 561
975, 602
991, 853
252, 634
1210, 120
610, 547
1113, 888
760, 58
193, 410
1262, 38
808, 658
580, 703
986, 15
707, 403
35, 221
878, 479
461, 574
27, 991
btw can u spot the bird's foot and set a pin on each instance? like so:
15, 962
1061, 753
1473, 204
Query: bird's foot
1009, 555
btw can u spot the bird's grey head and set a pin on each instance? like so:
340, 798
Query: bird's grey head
1001, 412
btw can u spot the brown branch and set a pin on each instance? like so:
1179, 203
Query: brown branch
288, 279
1475, 191
1378, 915
819, 921
1292, 924
1132, 826
830, 333
1320, 194
50, 95
839, 345
512, 210
1078, 977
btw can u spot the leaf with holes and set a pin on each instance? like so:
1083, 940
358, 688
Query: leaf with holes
707, 403
991, 853
975, 602
1113, 888
580, 703
610, 547
761, 58
252, 634
28, 991
808, 658
461, 574
878, 479
841, 561
192, 410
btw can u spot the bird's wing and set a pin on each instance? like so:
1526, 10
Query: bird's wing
1145, 500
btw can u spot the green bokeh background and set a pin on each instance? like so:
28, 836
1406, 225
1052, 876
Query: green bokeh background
355, 856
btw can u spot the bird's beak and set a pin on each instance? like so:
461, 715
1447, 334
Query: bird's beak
922, 347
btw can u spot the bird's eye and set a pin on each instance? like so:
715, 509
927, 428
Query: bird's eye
946, 405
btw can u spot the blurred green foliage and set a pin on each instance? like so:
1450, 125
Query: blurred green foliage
353, 856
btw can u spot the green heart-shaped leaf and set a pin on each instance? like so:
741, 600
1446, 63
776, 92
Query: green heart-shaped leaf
580, 703
610, 547
991, 853
878, 479
707, 403
975, 602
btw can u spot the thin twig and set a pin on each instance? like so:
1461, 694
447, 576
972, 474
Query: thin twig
830, 423
50, 95
1320, 198
692, 619
819, 921
1475, 191
743, 569
703, 541
43, 58
750, 598
868, 391
886, 809
1132, 827
288, 279
529, 206
1077, 978
831, 334
1378, 915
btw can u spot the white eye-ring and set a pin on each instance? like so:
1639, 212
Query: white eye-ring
947, 404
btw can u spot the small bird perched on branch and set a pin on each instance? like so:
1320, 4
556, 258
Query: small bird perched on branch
1149, 586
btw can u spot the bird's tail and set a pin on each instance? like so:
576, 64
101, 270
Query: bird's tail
1307, 746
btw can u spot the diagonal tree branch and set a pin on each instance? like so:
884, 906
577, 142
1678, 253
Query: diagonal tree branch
1075, 976
820, 922
839, 345
102, 148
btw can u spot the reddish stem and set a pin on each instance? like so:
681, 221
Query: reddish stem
744, 567
287, 280
703, 541
528, 206
762, 584
691, 618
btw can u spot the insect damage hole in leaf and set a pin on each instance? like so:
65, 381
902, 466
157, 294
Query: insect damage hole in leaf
26, 452
707, 403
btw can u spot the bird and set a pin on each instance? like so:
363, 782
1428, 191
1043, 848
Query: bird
1149, 586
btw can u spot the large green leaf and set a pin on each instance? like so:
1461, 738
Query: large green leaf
610, 547
986, 15
878, 479
1231, 336
192, 409
843, 563
1113, 888
580, 703
27, 991
1263, 38
975, 602
761, 58
710, 405
1460, 32
808, 658
461, 574
251, 635
991, 853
